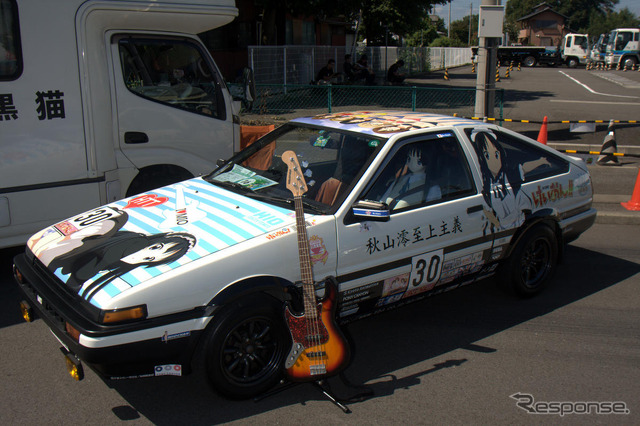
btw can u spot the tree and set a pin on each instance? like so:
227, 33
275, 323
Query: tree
447, 42
460, 30
603, 24
429, 31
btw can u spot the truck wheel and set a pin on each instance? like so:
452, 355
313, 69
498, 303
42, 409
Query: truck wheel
629, 63
572, 62
530, 61
245, 348
532, 262
153, 177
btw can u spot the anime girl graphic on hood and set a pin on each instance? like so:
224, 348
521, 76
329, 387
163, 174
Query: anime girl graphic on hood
92, 257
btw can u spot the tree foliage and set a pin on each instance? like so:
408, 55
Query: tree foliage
603, 24
426, 34
460, 30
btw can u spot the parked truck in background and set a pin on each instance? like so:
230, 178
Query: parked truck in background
599, 49
573, 50
623, 48
102, 99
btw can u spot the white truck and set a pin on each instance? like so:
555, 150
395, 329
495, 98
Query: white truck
575, 49
623, 48
101, 99
599, 49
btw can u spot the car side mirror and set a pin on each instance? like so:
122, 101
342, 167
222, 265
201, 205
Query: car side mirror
374, 211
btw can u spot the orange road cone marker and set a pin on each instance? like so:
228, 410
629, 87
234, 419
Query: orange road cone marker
634, 202
542, 136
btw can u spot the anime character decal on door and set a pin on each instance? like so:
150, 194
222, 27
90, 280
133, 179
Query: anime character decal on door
94, 250
501, 183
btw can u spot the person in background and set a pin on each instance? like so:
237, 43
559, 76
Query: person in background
364, 71
347, 69
326, 73
394, 75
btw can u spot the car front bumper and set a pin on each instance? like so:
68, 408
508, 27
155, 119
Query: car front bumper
136, 349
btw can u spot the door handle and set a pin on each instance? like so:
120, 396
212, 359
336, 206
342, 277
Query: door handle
135, 137
474, 209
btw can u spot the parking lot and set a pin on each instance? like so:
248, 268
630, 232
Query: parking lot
474, 355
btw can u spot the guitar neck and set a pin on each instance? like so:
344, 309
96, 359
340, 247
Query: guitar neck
309, 294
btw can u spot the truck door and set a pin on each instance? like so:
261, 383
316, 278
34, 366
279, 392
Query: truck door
173, 109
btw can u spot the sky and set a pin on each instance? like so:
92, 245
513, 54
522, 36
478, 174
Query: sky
460, 8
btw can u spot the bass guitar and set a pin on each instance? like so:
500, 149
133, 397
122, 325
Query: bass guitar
319, 348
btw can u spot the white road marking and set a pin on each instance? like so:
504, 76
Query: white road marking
595, 102
593, 91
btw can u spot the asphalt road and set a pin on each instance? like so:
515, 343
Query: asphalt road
453, 359
561, 94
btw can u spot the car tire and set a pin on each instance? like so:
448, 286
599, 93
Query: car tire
572, 62
532, 262
245, 347
530, 61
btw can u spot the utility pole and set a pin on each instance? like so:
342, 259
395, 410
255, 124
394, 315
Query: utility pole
489, 32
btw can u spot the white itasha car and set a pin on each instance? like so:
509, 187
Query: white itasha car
396, 206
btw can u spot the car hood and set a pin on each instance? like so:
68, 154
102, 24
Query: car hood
106, 251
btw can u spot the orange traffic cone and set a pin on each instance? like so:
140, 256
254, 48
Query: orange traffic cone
634, 202
542, 136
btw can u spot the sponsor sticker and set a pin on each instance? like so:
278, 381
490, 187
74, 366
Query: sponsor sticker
168, 370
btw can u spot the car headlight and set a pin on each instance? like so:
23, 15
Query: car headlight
125, 314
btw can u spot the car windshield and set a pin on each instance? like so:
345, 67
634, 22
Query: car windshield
330, 160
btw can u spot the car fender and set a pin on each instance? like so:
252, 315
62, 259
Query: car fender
546, 216
275, 287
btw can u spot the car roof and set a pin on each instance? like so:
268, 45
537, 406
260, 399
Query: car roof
383, 122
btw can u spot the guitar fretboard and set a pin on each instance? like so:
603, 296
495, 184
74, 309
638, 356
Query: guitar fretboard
309, 295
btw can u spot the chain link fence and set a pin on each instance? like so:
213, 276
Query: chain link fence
296, 100
299, 64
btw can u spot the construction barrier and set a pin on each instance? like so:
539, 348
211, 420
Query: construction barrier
634, 202
542, 135
510, 120
609, 147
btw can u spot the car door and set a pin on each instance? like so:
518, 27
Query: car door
436, 233
171, 106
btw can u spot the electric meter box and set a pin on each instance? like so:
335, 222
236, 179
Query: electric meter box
490, 21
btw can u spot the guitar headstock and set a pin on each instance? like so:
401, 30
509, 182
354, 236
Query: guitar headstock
295, 179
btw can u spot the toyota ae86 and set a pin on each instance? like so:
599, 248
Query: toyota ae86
366, 210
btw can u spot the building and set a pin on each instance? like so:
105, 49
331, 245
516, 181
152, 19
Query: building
543, 27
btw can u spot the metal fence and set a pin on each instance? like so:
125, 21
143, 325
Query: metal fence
295, 100
299, 64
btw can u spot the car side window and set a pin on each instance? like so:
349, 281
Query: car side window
10, 51
172, 72
423, 172
523, 160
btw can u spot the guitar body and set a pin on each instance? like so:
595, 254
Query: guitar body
321, 353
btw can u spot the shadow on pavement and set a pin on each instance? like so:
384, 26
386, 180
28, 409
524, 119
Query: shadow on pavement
9, 293
389, 342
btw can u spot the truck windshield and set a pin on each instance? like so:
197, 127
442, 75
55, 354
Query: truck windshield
331, 162
173, 72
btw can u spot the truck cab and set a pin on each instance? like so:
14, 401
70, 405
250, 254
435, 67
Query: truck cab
101, 99
623, 48
599, 49
575, 49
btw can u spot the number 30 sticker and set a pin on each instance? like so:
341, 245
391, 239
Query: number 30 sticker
425, 270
